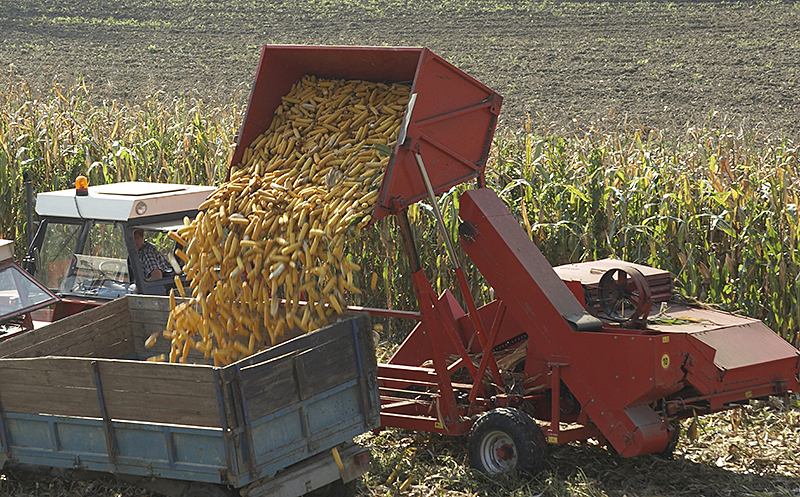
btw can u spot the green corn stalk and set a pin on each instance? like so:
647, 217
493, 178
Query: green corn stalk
716, 207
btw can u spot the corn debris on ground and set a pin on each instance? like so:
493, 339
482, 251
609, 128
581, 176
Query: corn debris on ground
278, 229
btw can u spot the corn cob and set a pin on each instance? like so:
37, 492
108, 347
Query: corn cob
277, 230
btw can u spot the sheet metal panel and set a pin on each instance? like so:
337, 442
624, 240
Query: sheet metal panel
117, 202
144, 449
746, 345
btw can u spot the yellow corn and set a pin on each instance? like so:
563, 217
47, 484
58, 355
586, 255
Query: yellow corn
277, 229
182, 255
404, 486
177, 238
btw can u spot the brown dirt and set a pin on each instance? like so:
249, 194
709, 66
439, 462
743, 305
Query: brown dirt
658, 64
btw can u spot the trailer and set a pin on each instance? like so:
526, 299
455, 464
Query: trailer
79, 394
599, 350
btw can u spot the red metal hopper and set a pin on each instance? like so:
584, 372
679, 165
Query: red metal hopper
450, 119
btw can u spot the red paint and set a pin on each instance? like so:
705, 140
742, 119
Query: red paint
451, 126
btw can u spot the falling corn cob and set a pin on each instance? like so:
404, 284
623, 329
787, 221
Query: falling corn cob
276, 232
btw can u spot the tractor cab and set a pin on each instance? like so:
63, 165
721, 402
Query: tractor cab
85, 250
20, 294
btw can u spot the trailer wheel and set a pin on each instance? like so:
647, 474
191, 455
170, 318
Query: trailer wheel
506, 439
197, 489
335, 489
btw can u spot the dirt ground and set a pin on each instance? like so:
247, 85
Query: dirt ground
653, 63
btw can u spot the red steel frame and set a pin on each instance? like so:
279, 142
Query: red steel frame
613, 375
615, 397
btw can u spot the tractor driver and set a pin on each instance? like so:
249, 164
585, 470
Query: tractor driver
154, 264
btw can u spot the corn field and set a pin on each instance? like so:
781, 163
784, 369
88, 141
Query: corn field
718, 209
57, 135
715, 206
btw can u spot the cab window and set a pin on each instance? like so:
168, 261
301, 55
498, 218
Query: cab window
99, 266
58, 246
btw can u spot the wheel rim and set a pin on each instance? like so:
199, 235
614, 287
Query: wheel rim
498, 452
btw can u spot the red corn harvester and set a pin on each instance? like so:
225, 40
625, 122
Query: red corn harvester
592, 350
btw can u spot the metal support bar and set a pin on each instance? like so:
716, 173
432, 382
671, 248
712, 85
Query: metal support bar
247, 436
223, 416
490, 345
408, 240
362, 387
26, 178
446, 407
425, 423
171, 452
452, 333
488, 359
458, 364
305, 428
386, 313
555, 399
4, 433
437, 212
223, 419
462, 281
111, 439
717, 400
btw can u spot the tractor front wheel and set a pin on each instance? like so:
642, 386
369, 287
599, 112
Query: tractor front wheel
506, 439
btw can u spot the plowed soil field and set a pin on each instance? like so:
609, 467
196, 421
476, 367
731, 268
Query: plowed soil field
668, 65
652, 63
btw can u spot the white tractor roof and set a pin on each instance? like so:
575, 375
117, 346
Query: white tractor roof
122, 201
6, 249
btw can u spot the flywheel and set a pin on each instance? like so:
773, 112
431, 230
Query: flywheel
624, 296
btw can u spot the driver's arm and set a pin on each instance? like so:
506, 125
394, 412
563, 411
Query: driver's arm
155, 274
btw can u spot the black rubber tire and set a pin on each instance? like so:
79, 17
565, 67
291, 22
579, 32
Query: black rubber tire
335, 489
511, 431
198, 489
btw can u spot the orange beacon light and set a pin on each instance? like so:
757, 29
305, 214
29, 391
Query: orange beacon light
81, 186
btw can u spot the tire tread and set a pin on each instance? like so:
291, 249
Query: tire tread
520, 427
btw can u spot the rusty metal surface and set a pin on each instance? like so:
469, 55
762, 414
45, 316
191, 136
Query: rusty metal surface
589, 273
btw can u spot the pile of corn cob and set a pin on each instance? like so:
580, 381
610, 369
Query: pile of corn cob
274, 235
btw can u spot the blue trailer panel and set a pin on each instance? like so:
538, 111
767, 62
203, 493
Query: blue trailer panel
239, 425
144, 449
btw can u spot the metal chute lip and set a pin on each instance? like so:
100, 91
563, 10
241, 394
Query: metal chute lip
583, 322
412, 99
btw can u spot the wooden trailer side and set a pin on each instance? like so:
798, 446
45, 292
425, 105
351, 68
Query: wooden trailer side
181, 394
102, 332
302, 397
149, 315
56, 369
